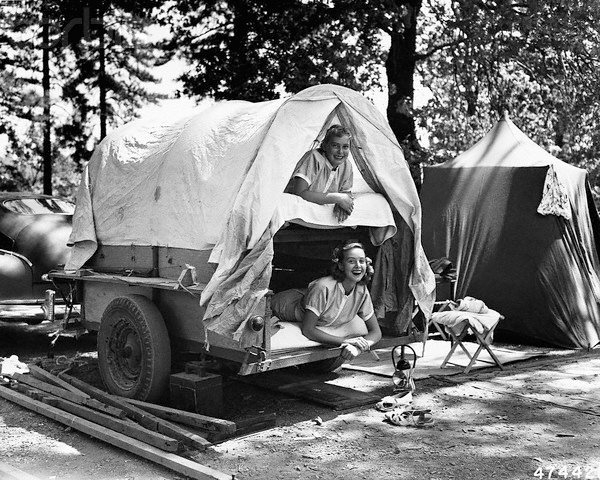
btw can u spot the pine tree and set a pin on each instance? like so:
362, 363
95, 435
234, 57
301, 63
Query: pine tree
110, 64
21, 112
69, 71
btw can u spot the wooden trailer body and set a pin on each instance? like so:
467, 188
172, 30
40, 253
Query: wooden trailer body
114, 272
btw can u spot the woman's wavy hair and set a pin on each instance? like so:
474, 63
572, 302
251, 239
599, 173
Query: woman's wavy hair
337, 258
335, 131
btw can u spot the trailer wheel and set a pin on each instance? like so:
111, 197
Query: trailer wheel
134, 353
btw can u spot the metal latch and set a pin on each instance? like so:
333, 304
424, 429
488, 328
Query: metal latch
263, 364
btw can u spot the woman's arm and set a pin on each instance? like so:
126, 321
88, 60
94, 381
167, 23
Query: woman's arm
373, 335
343, 199
354, 346
373, 331
312, 332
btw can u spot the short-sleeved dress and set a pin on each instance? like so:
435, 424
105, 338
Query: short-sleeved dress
320, 175
327, 299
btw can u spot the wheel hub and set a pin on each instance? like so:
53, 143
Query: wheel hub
125, 353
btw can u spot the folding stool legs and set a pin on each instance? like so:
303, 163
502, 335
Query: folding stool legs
456, 341
484, 342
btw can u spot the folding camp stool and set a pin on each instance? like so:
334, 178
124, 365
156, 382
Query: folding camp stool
484, 341
440, 307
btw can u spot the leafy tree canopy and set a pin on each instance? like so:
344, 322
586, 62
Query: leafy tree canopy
539, 61
254, 49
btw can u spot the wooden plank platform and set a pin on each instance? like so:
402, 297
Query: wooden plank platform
311, 388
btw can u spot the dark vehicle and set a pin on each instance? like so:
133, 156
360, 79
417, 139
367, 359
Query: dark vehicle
34, 230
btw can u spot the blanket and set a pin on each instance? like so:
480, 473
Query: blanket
370, 209
470, 310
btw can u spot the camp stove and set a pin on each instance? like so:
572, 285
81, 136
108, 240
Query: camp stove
403, 369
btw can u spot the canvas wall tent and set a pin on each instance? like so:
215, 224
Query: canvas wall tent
213, 182
481, 210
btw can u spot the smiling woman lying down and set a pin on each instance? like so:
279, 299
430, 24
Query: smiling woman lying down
334, 310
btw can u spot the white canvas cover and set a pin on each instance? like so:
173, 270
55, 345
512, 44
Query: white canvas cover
214, 180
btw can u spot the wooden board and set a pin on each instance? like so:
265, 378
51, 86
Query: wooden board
132, 281
243, 427
170, 460
48, 377
144, 418
11, 473
334, 396
255, 424
203, 422
126, 427
68, 395
312, 389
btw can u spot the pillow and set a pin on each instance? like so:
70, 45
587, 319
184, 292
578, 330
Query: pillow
287, 305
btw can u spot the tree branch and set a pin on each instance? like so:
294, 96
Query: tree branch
437, 48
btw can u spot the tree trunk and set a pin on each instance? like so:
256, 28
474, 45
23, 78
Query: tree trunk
400, 69
47, 147
238, 84
102, 74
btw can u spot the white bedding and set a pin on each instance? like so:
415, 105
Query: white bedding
289, 336
370, 209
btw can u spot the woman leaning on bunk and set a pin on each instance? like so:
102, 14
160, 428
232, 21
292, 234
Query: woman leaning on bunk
338, 309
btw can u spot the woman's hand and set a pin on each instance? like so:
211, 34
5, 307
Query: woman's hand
350, 351
345, 202
359, 342
339, 213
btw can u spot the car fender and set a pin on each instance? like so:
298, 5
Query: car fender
44, 243
16, 276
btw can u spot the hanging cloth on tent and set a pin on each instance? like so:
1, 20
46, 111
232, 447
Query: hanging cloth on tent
555, 200
240, 293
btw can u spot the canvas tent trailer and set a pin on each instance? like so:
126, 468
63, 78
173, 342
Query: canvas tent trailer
206, 192
523, 231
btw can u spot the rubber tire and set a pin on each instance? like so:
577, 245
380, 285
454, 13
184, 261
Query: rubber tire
135, 322
324, 366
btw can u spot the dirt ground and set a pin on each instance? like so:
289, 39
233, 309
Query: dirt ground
536, 419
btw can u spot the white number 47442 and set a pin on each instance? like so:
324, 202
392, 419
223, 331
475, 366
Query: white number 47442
576, 472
